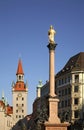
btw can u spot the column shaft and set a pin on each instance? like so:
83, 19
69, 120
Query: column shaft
51, 73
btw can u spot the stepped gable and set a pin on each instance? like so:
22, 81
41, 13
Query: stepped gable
75, 63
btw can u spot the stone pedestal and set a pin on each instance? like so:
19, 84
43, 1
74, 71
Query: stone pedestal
53, 110
54, 122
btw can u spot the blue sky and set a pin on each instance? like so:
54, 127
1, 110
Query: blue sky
24, 26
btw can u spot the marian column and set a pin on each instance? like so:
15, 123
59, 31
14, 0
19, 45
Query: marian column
53, 100
53, 122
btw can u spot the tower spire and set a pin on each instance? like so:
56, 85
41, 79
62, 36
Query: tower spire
20, 69
20, 72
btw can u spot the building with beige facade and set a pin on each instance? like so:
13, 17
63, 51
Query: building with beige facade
6, 115
10, 115
19, 92
70, 89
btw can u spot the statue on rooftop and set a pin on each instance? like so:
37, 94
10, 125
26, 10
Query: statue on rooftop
51, 34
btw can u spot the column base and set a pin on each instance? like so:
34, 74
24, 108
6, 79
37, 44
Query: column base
59, 126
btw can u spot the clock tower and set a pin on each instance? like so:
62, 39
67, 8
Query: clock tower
19, 92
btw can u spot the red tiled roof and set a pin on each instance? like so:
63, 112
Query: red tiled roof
9, 110
19, 69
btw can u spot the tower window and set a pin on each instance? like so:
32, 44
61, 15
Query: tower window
22, 104
16, 98
16, 111
19, 77
22, 98
19, 116
22, 111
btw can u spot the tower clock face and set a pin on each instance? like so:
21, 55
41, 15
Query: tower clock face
19, 95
